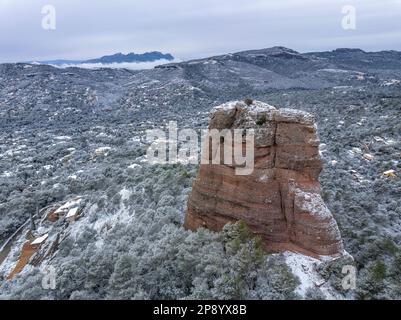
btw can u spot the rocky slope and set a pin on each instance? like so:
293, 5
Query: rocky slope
280, 200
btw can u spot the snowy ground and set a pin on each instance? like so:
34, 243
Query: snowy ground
305, 268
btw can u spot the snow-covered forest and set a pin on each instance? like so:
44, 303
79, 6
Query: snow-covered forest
80, 133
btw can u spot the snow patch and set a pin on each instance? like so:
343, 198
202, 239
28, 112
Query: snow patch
305, 268
334, 70
103, 151
7, 174
263, 178
40, 240
134, 166
391, 82
72, 213
69, 205
62, 138
125, 194
312, 203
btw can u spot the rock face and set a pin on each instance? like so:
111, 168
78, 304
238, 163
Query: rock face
280, 200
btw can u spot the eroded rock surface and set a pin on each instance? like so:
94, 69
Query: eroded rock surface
280, 200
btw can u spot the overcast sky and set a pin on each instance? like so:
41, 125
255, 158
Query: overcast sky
190, 29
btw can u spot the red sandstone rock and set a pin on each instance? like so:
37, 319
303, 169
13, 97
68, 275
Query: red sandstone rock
280, 200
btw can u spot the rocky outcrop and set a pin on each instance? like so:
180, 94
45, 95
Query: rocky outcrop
34, 248
280, 200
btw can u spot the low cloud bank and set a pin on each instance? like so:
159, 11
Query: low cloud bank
123, 65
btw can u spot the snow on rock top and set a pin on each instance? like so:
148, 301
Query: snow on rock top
72, 212
69, 205
254, 107
40, 240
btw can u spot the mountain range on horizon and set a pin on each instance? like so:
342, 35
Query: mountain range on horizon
114, 58
278, 51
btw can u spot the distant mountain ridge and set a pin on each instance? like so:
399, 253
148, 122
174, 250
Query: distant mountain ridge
286, 61
283, 68
116, 58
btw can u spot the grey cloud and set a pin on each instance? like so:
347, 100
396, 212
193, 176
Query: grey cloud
190, 29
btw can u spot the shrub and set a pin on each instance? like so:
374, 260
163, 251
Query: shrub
248, 101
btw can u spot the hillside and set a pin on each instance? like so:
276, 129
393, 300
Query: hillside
69, 133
